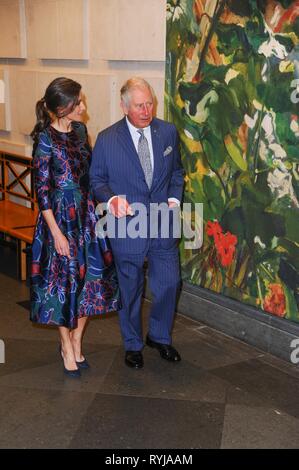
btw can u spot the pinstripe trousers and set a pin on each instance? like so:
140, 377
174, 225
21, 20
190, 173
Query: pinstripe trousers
164, 281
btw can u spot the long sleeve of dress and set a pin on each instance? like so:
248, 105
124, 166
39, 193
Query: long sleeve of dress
42, 174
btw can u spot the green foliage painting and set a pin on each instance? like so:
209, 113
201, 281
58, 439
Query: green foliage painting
232, 89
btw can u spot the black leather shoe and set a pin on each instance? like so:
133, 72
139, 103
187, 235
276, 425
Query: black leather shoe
134, 359
166, 351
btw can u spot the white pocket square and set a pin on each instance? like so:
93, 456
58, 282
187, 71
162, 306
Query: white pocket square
167, 151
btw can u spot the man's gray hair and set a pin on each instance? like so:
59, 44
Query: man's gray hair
131, 84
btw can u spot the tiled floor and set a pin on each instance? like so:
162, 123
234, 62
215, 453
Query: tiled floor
224, 394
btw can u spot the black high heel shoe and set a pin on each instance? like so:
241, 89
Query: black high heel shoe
70, 373
83, 364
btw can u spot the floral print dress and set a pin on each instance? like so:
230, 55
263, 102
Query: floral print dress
63, 289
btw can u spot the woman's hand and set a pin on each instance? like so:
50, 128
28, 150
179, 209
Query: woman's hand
60, 241
62, 245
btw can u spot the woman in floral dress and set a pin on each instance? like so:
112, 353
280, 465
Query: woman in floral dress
73, 276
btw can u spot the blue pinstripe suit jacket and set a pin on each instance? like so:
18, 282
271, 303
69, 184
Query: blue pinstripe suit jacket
116, 170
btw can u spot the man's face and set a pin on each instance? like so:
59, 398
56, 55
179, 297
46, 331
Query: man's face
140, 107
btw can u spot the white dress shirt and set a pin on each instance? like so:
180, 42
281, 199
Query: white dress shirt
136, 136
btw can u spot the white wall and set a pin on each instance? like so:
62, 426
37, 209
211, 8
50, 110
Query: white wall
99, 43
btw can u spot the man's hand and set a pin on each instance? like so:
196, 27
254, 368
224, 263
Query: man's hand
119, 207
172, 204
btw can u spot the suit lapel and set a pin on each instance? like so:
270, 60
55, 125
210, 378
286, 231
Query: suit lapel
126, 142
159, 163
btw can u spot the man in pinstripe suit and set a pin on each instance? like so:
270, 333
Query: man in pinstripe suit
137, 161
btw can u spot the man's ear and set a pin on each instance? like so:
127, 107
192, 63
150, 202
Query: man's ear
124, 107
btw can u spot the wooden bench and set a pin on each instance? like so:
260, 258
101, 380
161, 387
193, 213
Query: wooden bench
16, 220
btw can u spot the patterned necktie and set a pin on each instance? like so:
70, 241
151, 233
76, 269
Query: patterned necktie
145, 157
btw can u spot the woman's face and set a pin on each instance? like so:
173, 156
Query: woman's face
77, 113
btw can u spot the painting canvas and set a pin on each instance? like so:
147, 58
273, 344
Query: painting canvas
232, 89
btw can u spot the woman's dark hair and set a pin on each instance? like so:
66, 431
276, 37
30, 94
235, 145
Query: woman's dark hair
60, 99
